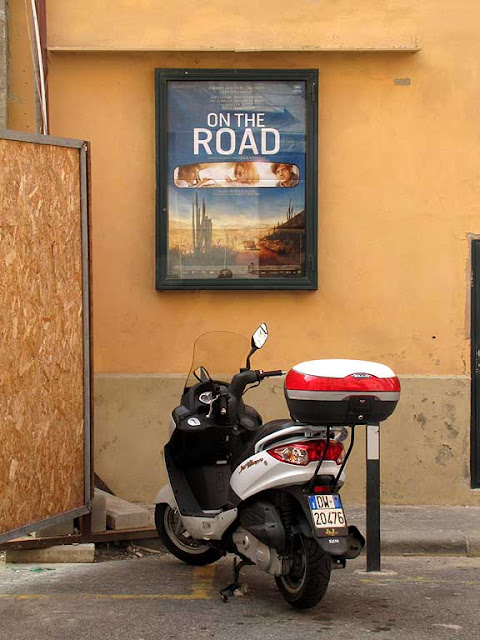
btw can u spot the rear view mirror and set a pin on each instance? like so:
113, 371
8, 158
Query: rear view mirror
258, 340
260, 336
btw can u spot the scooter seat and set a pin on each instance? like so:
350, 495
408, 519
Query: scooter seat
265, 430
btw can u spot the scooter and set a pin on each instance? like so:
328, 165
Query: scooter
268, 493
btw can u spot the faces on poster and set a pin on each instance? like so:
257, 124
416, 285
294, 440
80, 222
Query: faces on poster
240, 174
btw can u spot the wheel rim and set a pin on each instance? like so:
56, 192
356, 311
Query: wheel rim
294, 581
180, 536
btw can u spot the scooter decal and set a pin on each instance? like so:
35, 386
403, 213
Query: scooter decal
252, 463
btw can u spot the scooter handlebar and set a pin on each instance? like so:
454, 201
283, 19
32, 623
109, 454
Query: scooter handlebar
271, 374
242, 379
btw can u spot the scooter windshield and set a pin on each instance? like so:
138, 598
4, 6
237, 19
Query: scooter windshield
220, 353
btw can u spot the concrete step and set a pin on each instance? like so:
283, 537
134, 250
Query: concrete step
125, 515
57, 554
64, 528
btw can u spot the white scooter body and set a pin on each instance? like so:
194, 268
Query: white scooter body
255, 474
278, 508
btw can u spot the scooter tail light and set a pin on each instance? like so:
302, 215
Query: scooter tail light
302, 453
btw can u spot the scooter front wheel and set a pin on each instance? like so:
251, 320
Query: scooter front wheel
179, 542
307, 581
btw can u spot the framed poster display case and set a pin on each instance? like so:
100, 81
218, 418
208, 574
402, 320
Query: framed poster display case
236, 156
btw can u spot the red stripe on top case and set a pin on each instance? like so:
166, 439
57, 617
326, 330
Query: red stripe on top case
306, 382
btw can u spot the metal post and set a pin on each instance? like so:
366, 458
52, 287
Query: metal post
3, 64
373, 497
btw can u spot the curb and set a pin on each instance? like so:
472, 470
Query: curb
473, 543
418, 543
393, 543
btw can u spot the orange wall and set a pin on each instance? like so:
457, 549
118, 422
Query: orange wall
230, 25
21, 109
398, 176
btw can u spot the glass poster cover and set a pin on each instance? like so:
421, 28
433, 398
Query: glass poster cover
234, 180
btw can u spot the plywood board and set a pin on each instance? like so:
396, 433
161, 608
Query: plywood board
42, 408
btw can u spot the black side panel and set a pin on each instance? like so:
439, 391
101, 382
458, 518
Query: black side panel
186, 501
210, 484
262, 519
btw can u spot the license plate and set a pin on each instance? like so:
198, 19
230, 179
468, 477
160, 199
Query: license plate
327, 511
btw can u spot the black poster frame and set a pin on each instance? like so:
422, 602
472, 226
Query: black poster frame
307, 281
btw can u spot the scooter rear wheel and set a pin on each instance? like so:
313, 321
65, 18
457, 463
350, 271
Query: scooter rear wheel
179, 542
307, 581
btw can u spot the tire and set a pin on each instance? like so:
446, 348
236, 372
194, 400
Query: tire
179, 542
306, 583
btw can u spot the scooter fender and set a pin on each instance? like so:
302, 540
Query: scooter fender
165, 496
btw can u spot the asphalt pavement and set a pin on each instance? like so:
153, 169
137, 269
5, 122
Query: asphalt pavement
428, 587
159, 597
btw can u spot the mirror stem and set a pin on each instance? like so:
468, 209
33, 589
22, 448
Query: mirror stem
252, 351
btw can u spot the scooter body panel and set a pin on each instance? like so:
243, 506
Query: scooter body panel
209, 528
262, 471
166, 496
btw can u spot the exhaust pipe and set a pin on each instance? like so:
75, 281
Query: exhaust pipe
355, 543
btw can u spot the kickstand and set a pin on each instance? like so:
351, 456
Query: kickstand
229, 591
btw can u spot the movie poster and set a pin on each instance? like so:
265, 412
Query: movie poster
236, 179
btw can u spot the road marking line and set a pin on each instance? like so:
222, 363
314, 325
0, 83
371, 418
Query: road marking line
418, 580
28, 596
203, 582
201, 590
455, 627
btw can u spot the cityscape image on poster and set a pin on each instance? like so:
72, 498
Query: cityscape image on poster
236, 179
